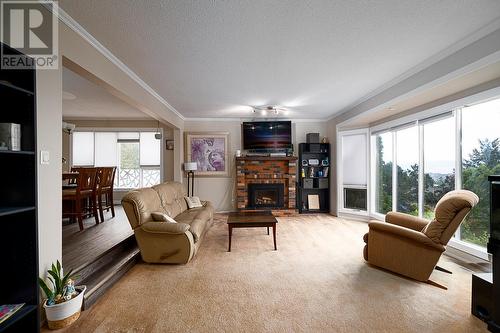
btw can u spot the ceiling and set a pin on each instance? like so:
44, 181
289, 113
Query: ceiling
458, 85
218, 58
83, 99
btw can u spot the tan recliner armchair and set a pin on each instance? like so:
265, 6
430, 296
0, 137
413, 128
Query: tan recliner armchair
412, 246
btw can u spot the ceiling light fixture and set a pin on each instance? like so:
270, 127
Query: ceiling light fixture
264, 110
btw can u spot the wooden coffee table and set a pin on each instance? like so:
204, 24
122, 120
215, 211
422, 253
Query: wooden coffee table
251, 220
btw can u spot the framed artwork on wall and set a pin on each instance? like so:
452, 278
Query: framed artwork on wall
210, 151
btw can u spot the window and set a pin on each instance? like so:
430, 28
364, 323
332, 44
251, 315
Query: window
439, 161
383, 172
407, 155
354, 150
480, 158
454, 149
137, 155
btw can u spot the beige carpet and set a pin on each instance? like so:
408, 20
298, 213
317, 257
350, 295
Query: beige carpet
317, 281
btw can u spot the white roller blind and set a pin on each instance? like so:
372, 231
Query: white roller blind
106, 149
354, 161
128, 135
83, 148
149, 149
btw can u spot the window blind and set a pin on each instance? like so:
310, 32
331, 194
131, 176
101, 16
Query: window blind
149, 149
354, 160
106, 149
83, 148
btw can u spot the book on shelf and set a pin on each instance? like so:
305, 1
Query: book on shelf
7, 310
10, 136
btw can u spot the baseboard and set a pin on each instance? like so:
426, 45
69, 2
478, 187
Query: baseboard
468, 260
362, 218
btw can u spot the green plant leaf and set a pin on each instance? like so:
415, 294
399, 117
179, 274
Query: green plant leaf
52, 282
45, 288
58, 268
66, 278
57, 282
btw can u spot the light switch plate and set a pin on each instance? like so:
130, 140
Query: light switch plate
44, 157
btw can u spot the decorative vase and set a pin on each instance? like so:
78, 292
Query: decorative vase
65, 313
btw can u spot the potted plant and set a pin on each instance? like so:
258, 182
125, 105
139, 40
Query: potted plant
64, 300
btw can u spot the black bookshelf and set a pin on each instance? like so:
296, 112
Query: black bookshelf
18, 206
314, 179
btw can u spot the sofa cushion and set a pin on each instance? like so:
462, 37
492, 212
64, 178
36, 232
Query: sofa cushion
163, 217
165, 228
198, 219
138, 205
197, 228
171, 196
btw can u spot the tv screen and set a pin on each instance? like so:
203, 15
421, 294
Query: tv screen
262, 135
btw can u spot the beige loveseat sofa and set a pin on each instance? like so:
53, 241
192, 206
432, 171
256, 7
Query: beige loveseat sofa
166, 242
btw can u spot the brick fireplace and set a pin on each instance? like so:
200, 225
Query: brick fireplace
266, 171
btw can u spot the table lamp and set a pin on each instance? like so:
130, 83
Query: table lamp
190, 167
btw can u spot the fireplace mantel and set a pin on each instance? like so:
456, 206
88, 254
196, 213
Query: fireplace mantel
266, 170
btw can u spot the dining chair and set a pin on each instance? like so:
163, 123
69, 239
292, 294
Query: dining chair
105, 187
85, 191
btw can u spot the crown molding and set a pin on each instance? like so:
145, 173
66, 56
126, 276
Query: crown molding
76, 27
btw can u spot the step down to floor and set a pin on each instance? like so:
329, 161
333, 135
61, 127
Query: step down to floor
100, 274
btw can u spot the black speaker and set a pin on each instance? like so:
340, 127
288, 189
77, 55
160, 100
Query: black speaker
482, 302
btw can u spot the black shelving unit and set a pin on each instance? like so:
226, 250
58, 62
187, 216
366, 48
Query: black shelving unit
18, 206
314, 179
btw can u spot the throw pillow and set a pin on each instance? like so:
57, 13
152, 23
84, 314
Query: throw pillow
159, 216
193, 202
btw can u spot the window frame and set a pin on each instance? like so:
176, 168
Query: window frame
130, 130
421, 117
340, 188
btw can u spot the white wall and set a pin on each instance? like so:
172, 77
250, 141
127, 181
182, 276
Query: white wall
49, 138
332, 135
49, 133
221, 190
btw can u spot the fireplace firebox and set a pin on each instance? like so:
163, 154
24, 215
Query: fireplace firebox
265, 196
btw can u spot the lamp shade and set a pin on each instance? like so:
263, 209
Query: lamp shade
190, 166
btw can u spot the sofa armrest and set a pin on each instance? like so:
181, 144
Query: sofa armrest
405, 233
165, 227
407, 221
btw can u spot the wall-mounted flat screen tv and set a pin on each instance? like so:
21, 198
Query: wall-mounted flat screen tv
267, 135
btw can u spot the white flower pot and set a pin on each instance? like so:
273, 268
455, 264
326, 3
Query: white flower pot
64, 314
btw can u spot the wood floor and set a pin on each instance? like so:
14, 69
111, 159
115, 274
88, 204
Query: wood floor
80, 247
